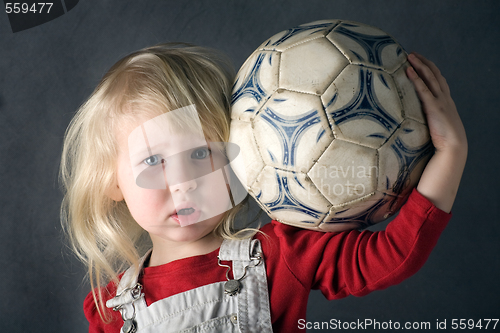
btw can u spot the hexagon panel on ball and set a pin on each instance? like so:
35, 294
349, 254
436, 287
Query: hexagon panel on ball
368, 46
289, 197
292, 131
299, 34
366, 106
345, 172
310, 67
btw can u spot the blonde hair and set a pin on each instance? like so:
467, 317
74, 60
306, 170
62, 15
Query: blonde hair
162, 78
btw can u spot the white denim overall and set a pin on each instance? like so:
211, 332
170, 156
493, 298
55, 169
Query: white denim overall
219, 307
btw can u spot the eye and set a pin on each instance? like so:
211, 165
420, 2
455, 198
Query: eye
153, 160
200, 153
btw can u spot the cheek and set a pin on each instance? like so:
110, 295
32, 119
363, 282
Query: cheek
215, 192
145, 204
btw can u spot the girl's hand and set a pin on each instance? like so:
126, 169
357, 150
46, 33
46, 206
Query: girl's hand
441, 177
445, 126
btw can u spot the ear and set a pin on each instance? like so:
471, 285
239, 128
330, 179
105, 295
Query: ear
114, 192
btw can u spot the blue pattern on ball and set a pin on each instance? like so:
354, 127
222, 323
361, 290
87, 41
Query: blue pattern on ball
251, 87
373, 45
287, 201
290, 130
296, 30
365, 104
408, 158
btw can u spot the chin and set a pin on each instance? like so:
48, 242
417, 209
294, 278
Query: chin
185, 234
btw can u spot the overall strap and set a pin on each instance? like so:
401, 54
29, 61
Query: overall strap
254, 313
235, 249
126, 291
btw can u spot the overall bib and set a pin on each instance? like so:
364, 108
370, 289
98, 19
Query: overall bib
239, 305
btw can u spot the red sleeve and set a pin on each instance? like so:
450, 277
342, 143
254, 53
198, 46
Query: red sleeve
90, 310
96, 324
356, 263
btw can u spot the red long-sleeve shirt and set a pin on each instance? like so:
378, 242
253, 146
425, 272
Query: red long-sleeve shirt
298, 260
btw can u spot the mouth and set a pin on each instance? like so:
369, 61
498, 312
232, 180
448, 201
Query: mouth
186, 211
186, 214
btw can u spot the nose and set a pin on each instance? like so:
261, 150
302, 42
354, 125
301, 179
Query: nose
180, 176
184, 187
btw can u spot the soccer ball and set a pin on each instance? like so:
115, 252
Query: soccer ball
331, 130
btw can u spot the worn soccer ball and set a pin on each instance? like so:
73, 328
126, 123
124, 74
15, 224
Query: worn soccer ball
331, 130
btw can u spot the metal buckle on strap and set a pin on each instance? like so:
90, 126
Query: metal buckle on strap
233, 286
129, 324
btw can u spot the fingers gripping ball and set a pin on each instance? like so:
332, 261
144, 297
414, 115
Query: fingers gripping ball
331, 129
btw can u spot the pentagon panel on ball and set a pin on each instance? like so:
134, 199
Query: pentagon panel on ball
331, 131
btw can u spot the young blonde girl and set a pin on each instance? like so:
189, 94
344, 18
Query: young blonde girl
109, 221
155, 80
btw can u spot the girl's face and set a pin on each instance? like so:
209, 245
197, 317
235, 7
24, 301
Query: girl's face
172, 180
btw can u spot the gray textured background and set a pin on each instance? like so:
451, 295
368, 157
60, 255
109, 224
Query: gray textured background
46, 72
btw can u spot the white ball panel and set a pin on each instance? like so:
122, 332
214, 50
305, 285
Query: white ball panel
249, 164
316, 73
345, 172
367, 46
288, 38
